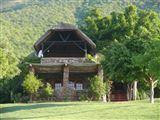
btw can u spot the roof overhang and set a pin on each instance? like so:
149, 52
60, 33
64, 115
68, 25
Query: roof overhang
73, 68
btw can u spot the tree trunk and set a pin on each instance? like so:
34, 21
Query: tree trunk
109, 97
11, 96
104, 98
129, 91
135, 90
109, 91
101, 76
151, 91
31, 97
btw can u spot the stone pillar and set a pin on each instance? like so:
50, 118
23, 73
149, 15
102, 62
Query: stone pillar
65, 76
65, 79
100, 75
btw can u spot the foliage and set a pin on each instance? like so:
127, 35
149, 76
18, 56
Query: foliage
17, 98
91, 58
31, 84
8, 70
96, 88
8, 61
83, 96
24, 21
149, 62
117, 62
141, 95
131, 24
47, 91
125, 35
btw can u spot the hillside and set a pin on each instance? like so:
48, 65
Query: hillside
24, 21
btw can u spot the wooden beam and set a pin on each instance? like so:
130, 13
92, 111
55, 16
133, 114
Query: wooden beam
60, 35
67, 37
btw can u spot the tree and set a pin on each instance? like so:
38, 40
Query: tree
31, 84
96, 88
8, 70
118, 65
120, 36
149, 62
8, 61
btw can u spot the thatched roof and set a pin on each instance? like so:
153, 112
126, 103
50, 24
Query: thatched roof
64, 27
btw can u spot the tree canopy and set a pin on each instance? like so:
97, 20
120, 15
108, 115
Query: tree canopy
122, 36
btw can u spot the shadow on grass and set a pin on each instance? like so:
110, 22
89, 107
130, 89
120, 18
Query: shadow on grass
57, 114
30, 107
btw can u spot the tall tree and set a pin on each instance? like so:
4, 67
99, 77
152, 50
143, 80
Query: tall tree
118, 65
8, 70
8, 61
120, 36
149, 62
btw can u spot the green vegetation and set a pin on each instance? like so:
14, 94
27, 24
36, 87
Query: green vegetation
141, 110
31, 84
8, 61
24, 21
47, 91
149, 62
125, 36
96, 88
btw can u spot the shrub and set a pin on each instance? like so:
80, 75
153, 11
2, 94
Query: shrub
83, 96
96, 88
31, 84
141, 94
17, 98
47, 91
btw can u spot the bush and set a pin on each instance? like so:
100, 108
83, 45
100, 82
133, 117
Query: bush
96, 88
25, 99
83, 96
47, 91
17, 98
31, 84
141, 94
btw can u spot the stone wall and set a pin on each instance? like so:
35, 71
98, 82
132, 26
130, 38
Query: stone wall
63, 60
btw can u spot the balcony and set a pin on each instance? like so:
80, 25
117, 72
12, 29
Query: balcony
68, 60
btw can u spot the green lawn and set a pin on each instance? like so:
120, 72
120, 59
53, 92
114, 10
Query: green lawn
139, 110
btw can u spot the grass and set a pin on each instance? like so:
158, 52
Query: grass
134, 110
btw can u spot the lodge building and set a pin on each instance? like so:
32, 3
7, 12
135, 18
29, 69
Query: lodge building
64, 63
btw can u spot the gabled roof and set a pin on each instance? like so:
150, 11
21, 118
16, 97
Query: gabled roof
65, 27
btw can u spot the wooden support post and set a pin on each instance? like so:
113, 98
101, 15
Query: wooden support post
100, 74
31, 68
85, 48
